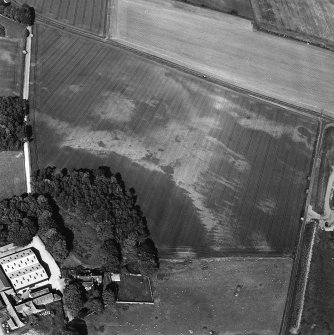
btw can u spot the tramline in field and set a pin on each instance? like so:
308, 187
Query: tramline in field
216, 171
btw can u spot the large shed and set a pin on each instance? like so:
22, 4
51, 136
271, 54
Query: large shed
23, 269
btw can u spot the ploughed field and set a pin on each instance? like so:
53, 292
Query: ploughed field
89, 15
308, 20
10, 66
228, 48
199, 298
215, 171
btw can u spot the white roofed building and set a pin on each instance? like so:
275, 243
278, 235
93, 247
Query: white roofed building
23, 269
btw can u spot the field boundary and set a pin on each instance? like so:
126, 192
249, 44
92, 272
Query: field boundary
148, 302
292, 287
298, 36
304, 280
26, 147
160, 60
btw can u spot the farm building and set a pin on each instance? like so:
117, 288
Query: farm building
23, 269
4, 282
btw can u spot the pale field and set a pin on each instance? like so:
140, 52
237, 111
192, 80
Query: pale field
227, 48
199, 297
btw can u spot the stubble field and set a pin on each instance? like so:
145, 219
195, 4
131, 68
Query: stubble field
307, 20
198, 298
89, 15
215, 171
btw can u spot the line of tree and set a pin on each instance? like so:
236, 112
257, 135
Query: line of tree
12, 127
24, 14
100, 197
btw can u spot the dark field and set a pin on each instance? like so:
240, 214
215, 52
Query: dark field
12, 177
10, 66
199, 296
307, 20
89, 15
134, 288
215, 171
319, 305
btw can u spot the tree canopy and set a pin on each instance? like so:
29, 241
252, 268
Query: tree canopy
24, 14
100, 197
12, 127
22, 217
74, 298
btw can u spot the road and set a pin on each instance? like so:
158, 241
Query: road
26, 80
227, 48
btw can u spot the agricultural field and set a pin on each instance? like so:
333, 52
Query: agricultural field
12, 177
240, 8
215, 171
198, 298
88, 15
10, 66
227, 48
306, 20
318, 307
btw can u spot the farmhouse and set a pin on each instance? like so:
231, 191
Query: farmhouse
22, 269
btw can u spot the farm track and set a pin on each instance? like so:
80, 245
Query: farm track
292, 287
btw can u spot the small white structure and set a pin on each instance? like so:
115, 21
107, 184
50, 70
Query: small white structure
115, 277
23, 269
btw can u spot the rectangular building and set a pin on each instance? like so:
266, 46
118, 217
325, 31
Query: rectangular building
23, 269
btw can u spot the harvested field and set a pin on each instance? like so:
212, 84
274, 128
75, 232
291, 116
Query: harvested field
240, 8
88, 15
215, 171
306, 20
226, 47
11, 64
199, 297
12, 177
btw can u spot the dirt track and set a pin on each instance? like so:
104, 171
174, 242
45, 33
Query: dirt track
226, 47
